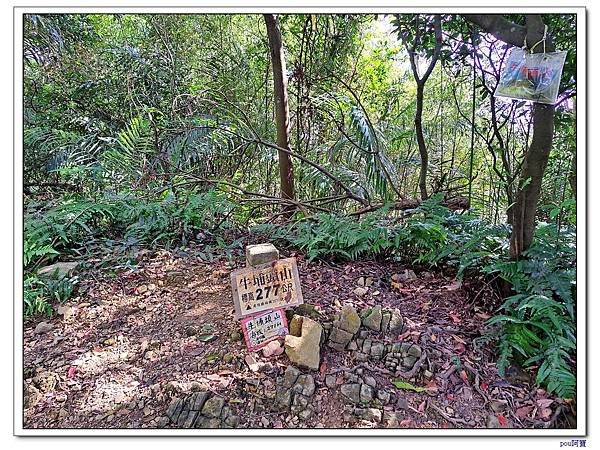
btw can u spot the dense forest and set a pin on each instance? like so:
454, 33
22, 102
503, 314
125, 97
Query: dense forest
370, 147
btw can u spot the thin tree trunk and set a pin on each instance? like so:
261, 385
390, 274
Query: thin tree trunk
421, 142
282, 114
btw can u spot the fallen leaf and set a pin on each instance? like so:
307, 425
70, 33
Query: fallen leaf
323, 369
464, 377
71, 372
545, 413
407, 423
407, 386
502, 420
544, 402
421, 407
524, 411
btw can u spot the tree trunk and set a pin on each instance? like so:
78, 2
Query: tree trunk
421, 142
573, 174
282, 115
536, 157
530, 182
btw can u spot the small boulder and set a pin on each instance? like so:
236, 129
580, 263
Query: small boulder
361, 291
396, 322
351, 391
43, 327
59, 270
349, 320
372, 319
304, 350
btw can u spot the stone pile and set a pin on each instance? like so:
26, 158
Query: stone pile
293, 392
201, 410
344, 328
402, 355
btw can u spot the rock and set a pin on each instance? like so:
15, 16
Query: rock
361, 291
349, 320
370, 381
339, 336
228, 357
377, 350
383, 396
283, 397
351, 391
498, 405
252, 363
65, 311
264, 421
174, 409
402, 403
304, 350
352, 346
370, 414
307, 383
43, 327
396, 322
306, 309
272, 348
235, 336
290, 376
415, 351
366, 393
390, 420
190, 330
213, 406
261, 254
386, 316
197, 400
372, 319
32, 396
45, 381
59, 270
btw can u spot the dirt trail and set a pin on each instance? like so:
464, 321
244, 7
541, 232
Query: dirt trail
129, 343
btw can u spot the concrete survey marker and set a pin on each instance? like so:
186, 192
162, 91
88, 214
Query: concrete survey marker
261, 329
265, 287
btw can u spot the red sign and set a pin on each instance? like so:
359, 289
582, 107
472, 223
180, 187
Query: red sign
261, 329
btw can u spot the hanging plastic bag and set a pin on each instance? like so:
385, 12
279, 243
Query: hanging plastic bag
531, 76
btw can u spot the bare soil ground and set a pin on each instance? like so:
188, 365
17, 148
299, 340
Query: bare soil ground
130, 341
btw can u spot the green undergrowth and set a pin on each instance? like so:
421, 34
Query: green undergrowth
535, 327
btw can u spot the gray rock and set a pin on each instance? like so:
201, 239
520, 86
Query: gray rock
415, 351
352, 346
370, 414
377, 350
307, 384
190, 420
372, 319
300, 400
383, 396
409, 362
336, 346
360, 356
361, 291
198, 399
290, 376
59, 270
386, 317
396, 322
305, 414
349, 320
390, 419
174, 409
340, 336
43, 327
366, 393
370, 381
283, 397
213, 406
351, 391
